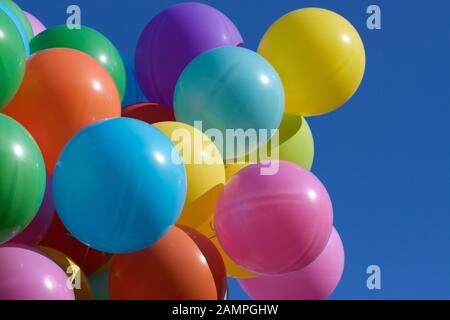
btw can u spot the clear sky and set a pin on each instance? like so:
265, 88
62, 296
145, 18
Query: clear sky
384, 156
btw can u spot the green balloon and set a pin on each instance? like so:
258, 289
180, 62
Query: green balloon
23, 19
12, 59
293, 142
89, 41
22, 178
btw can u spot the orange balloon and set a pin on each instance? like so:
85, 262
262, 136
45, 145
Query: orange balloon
213, 258
63, 91
174, 268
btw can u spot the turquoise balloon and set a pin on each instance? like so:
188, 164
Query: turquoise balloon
231, 88
119, 185
99, 282
23, 34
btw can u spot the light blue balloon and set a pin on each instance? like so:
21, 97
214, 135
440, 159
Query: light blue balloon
235, 291
133, 92
119, 185
12, 15
230, 88
99, 282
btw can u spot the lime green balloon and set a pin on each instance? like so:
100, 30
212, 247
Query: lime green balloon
293, 142
22, 178
23, 19
89, 41
12, 59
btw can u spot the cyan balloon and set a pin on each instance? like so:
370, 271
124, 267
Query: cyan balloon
119, 185
99, 282
231, 88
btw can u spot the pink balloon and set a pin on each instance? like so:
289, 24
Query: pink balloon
274, 224
26, 274
37, 229
314, 282
36, 25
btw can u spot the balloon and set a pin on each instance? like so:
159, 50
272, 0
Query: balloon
235, 291
36, 25
20, 14
173, 39
172, 269
79, 281
26, 274
314, 282
12, 59
119, 185
63, 91
99, 282
87, 258
149, 112
293, 142
204, 170
133, 92
231, 88
20, 27
22, 182
320, 58
231, 168
89, 41
207, 229
37, 229
213, 258
274, 221
232, 269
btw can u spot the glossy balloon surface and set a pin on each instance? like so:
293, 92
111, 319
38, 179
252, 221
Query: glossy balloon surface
119, 185
319, 56
22, 183
89, 41
63, 91
173, 39
12, 59
27, 274
274, 221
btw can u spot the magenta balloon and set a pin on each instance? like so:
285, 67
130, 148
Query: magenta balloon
316, 281
36, 25
274, 224
174, 38
26, 274
39, 226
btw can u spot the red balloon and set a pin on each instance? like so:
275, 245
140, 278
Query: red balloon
213, 258
88, 259
149, 112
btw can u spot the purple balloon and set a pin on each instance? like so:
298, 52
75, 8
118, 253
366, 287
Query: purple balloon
173, 39
26, 274
314, 282
273, 221
39, 226
36, 25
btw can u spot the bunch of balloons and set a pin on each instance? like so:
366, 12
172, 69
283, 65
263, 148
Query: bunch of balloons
109, 189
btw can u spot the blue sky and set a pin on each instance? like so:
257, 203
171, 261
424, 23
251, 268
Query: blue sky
384, 156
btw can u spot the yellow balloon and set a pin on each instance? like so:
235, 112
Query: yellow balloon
204, 169
293, 142
82, 288
319, 56
232, 168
